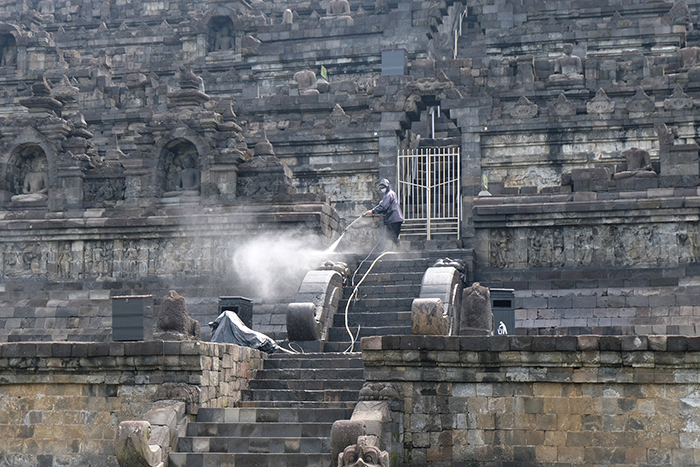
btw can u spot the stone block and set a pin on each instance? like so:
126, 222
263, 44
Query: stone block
429, 317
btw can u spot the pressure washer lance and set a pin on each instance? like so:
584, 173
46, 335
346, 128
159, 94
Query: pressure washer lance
335, 243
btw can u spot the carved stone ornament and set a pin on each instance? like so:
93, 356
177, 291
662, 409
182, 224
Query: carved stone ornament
689, 56
641, 103
174, 323
524, 109
364, 454
380, 392
132, 447
477, 316
562, 107
337, 118
306, 80
680, 14
600, 104
678, 100
189, 394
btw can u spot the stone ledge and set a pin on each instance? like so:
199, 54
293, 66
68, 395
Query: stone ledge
92, 354
534, 344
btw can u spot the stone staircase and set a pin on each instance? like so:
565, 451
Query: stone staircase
382, 304
285, 418
287, 412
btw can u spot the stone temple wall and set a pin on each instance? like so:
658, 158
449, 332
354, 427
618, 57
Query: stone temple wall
62, 402
108, 105
611, 265
61, 289
587, 248
118, 100
541, 400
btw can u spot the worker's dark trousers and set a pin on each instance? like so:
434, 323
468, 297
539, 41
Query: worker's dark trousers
392, 232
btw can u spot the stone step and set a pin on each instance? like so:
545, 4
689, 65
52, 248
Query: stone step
376, 304
325, 395
395, 262
404, 277
340, 346
313, 361
273, 414
306, 385
214, 459
255, 429
303, 374
345, 405
373, 289
246, 444
341, 334
372, 318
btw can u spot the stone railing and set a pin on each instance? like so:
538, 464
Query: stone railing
566, 400
63, 401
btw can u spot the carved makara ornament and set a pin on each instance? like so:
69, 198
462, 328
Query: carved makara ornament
364, 454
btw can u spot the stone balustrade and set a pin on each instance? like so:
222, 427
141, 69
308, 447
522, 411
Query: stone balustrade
63, 401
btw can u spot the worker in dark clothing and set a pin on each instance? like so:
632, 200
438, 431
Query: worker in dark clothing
389, 207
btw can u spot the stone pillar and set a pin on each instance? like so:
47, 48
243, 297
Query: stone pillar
469, 115
392, 124
69, 194
678, 162
225, 179
140, 181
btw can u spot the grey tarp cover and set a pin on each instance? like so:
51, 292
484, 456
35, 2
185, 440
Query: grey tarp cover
231, 330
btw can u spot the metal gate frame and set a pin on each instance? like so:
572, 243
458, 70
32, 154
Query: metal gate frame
429, 191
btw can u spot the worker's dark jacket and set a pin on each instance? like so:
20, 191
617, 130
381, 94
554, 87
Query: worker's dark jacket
389, 206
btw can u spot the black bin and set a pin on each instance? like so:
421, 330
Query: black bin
503, 308
242, 306
132, 318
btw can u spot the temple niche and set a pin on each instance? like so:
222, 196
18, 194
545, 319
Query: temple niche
221, 38
27, 177
179, 165
8, 51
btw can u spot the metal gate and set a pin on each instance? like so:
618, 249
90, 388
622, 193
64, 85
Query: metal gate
429, 191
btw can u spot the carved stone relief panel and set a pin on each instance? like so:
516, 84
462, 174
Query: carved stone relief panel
118, 259
104, 191
621, 245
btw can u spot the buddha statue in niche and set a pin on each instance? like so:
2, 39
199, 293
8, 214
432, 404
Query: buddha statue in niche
187, 180
36, 184
223, 41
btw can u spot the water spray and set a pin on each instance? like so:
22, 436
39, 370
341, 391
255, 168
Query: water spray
332, 248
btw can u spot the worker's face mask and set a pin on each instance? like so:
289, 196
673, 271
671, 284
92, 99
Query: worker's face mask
382, 189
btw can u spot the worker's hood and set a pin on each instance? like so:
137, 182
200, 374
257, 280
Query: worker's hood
385, 182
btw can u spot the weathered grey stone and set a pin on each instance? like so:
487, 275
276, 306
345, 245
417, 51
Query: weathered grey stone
476, 317
132, 445
345, 433
302, 324
429, 316
173, 322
